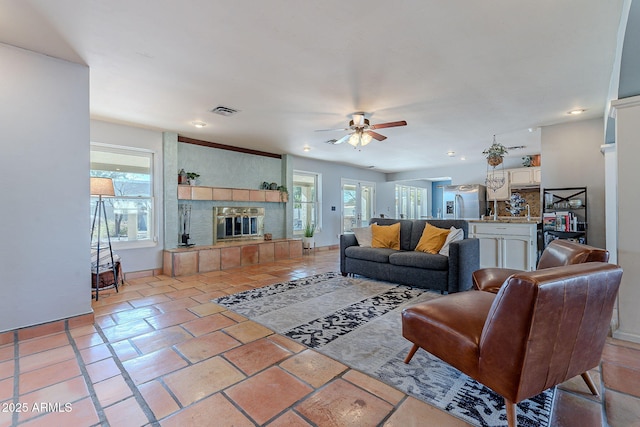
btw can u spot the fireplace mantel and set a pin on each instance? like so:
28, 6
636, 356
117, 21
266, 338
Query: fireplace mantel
197, 192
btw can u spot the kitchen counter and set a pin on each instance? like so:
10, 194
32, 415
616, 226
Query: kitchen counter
510, 219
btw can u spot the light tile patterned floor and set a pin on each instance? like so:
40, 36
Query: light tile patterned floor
161, 353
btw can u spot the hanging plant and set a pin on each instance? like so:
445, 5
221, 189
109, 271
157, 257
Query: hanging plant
495, 153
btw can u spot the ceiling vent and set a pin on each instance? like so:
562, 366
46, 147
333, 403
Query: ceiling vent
224, 111
332, 141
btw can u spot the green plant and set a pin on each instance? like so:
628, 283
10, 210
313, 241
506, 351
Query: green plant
496, 150
192, 175
309, 230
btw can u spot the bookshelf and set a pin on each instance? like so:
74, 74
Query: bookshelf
565, 214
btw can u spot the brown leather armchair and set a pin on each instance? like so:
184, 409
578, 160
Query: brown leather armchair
556, 254
541, 328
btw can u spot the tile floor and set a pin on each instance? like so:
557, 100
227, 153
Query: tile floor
160, 353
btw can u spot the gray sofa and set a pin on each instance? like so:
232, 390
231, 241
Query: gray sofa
406, 266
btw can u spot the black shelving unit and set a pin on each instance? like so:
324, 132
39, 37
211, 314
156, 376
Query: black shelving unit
569, 209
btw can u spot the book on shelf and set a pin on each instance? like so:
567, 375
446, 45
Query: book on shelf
548, 221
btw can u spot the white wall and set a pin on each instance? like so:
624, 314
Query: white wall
145, 256
628, 151
332, 195
571, 157
44, 188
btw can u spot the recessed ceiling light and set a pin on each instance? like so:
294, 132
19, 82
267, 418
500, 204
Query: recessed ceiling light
199, 124
306, 148
576, 111
463, 158
451, 153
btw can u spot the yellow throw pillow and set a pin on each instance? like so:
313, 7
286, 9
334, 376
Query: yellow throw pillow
385, 236
432, 239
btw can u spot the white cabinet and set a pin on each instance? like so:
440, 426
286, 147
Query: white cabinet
524, 176
506, 245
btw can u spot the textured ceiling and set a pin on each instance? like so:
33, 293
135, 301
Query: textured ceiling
457, 72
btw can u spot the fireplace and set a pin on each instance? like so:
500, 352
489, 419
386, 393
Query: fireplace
238, 223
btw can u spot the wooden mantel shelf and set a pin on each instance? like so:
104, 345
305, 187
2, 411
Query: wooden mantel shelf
196, 192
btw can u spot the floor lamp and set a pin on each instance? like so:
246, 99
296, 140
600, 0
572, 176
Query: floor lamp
102, 187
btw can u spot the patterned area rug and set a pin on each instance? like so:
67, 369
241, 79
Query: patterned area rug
357, 321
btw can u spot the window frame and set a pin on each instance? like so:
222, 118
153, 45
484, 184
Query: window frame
410, 193
317, 203
153, 222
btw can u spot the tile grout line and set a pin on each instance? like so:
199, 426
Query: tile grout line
16, 376
127, 378
102, 417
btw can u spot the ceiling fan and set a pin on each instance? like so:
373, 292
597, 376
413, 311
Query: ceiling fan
362, 131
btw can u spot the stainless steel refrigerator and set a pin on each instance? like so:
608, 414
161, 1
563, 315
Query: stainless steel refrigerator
464, 201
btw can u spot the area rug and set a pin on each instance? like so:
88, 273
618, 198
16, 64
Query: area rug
357, 321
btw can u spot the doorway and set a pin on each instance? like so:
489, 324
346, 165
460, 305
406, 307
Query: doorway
358, 203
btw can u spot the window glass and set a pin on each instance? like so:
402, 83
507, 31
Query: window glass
130, 214
306, 203
411, 202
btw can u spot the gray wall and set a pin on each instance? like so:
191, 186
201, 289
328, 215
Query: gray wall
331, 193
223, 168
45, 216
571, 157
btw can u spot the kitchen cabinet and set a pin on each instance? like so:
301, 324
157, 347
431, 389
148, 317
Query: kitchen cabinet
524, 176
506, 245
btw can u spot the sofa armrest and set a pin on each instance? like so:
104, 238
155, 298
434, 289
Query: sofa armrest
346, 240
491, 279
464, 259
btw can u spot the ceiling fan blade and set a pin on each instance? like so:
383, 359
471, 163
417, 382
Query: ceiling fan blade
388, 125
331, 130
341, 140
376, 135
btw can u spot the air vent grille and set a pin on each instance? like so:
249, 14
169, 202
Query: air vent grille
224, 111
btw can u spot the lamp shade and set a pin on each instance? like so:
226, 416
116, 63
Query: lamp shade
102, 187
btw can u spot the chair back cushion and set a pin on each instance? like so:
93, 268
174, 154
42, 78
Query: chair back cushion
547, 326
564, 252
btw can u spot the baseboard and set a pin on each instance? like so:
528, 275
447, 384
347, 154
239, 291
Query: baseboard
626, 336
35, 331
142, 273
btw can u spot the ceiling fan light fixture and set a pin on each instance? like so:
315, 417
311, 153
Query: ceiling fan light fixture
365, 139
354, 139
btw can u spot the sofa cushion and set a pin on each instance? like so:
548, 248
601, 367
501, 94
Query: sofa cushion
369, 254
419, 224
432, 239
406, 226
420, 260
363, 236
455, 234
385, 236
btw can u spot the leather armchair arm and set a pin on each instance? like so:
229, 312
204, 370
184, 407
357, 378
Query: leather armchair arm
491, 279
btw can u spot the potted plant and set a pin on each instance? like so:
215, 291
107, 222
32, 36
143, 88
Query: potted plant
307, 240
191, 176
284, 193
495, 153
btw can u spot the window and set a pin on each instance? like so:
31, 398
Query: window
306, 201
411, 202
130, 215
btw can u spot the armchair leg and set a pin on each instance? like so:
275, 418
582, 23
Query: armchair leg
510, 407
592, 387
411, 353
